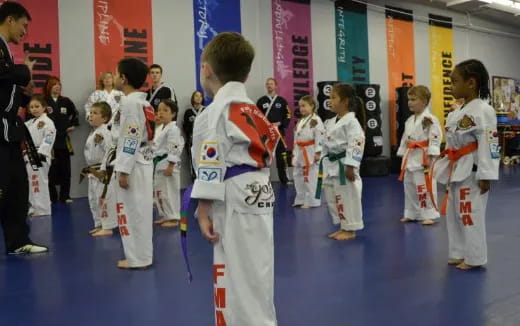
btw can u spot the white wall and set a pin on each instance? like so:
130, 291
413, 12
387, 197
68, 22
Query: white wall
174, 50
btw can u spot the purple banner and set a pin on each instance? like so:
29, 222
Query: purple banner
292, 53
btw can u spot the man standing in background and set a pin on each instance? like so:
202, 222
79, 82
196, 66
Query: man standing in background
159, 91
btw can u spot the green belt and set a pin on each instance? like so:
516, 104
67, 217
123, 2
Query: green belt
158, 159
332, 158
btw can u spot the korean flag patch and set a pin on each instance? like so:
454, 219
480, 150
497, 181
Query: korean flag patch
209, 153
494, 147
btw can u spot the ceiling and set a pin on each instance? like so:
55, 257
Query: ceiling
475, 8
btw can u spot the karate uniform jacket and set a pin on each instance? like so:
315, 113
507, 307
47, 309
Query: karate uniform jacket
309, 128
475, 121
43, 134
276, 109
189, 121
168, 141
100, 95
97, 145
64, 114
344, 135
423, 127
133, 144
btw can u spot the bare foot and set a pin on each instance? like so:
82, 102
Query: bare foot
170, 224
94, 230
465, 267
405, 220
102, 233
453, 261
345, 235
333, 234
428, 222
123, 264
160, 221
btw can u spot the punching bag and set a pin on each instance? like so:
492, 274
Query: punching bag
402, 114
370, 96
324, 89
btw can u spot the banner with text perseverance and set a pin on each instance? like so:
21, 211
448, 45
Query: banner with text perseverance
42, 42
292, 53
210, 18
352, 42
122, 29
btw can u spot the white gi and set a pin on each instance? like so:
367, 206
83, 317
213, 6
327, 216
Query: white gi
308, 140
113, 99
227, 135
168, 146
424, 131
466, 210
97, 145
134, 206
43, 134
344, 201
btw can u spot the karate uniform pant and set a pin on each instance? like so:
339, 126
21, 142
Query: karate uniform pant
108, 208
39, 198
417, 201
167, 192
306, 191
134, 209
95, 189
466, 222
14, 196
243, 270
344, 203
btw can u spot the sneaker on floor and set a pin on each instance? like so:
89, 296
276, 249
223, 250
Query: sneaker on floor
29, 249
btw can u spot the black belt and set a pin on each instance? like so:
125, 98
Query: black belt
475, 168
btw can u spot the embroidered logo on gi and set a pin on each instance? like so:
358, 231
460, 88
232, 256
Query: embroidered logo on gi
49, 138
260, 195
117, 98
210, 174
41, 124
426, 122
314, 123
129, 145
98, 139
50, 109
192, 118
63, 110
132, 131
466, 123
494, 147
209, 153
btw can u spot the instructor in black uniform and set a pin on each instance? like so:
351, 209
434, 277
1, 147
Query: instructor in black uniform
159, 91
276, 109
14, 184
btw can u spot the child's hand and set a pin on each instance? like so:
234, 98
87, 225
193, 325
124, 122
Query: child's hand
349, 173
484, 186
169, 171
70, 129
205, 223
123, 181
317, 157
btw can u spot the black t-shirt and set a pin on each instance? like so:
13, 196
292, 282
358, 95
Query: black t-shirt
64, 115
278, 112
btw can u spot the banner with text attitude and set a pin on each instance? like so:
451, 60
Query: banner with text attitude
292, 53
401, 59
352, 42
210, 18
122, 29
442, 57
42, 41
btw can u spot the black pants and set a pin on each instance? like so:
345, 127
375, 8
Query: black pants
14, 196
281, 162
59, 175
190, 161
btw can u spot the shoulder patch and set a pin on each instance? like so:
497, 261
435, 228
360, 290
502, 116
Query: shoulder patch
467, 122
41, 124
314, 123
426, 122
98, 139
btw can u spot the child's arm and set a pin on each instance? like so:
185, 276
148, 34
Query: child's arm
319, 139
488, 152
205, 223
434, 139
175, 147
128, 144
49, 137
402, 145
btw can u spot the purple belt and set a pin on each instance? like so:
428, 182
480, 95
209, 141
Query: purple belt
185, 207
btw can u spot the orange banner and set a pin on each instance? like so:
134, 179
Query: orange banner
122, 29
401, 59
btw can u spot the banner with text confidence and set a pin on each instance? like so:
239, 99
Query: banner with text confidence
41, 42
210, 18
401, 59
122, 29
292, 53
352, 42
441, 56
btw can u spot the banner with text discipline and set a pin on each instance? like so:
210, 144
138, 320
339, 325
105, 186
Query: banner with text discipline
292, 53
401, 59
122, 29
352, 42
442, 57
42, 41
210, 18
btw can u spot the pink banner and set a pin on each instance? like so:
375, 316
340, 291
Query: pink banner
292, 53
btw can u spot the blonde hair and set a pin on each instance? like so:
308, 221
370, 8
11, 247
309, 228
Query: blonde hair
310, 100
100, 84
421, 92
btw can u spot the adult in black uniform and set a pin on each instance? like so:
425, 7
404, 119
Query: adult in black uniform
159, 91
277, 111
197, 106
14, 184
65, 117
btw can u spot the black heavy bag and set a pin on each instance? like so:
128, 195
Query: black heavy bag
402, 114
324, 89
370, 96
375, 166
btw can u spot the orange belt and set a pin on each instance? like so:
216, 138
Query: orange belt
453, 154
303, 146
